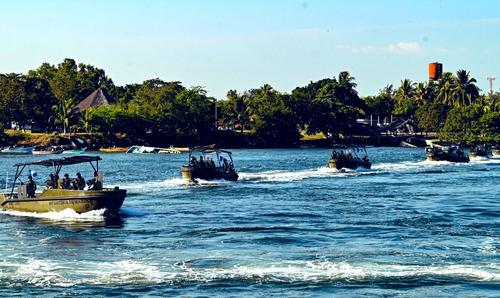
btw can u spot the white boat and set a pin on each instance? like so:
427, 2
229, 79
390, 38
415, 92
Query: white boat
17, 150
153, 150
143, 149
44, 150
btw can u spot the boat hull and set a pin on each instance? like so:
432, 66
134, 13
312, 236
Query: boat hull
446, 157
192, 173
17, 151
59, 199
46, 152
349, 164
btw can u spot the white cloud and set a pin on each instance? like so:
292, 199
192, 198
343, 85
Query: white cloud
403, 47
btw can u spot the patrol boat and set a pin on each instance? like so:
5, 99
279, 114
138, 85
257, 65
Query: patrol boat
214, 163
349, 157
481, 151
56, 199
443, 151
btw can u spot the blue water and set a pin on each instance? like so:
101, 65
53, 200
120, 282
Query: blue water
289, 227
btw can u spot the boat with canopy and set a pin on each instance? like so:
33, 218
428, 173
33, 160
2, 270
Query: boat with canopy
481, 151
349, 157
56, 198
213, 163
443, 151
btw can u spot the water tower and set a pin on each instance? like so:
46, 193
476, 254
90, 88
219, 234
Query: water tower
435, 71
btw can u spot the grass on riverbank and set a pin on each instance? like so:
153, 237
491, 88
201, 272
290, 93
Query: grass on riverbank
17, 137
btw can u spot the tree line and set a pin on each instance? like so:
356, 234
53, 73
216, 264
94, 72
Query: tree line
159, 112
453, 106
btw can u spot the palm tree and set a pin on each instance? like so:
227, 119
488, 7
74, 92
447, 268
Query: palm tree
63, 112
465, 92
85, 119
345, 89
265, 90
405, 91
424, 93
444, 89
346, 81
238, 106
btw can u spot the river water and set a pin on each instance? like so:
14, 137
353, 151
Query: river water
289, 227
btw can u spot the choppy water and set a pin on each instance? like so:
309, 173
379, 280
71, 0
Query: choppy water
289, 227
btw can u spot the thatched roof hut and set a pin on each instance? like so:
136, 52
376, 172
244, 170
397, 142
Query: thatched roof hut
94, 100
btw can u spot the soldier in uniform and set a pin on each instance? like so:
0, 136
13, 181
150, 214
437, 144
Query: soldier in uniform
80, 182
30, 187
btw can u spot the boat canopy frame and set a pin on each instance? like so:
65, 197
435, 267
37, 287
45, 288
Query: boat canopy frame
208, 150
353, 149
56, 164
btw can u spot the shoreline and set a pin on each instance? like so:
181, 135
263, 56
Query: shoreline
95, 141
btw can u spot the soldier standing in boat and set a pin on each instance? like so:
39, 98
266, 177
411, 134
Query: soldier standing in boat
30, 187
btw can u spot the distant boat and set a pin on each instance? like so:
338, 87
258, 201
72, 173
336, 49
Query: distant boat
45, 150
442, 151
114, 150
480, 151
153, 150
349, 157
14, 150
143, 150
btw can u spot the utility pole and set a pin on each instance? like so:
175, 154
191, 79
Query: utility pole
490, 81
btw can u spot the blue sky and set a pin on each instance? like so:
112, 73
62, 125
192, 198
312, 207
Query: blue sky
224, 45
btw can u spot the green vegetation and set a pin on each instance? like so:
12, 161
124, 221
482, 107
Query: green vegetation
453, 107
164, 113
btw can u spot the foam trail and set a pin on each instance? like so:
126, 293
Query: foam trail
155, 185
413, 166
41, 273
289, 272
130, 272
280, 176
482, 160
173, 183
64, 215
478, 158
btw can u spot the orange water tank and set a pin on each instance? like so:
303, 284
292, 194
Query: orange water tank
435, 71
